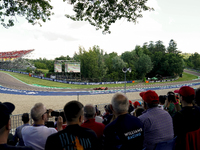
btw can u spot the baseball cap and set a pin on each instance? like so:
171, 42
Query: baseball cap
141, 94
150, 97
136, 104
6, 110
186, 91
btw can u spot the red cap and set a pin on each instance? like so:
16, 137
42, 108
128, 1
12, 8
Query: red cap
151, 97
136, 104
176, 91
130, 101
186, 91
141, 94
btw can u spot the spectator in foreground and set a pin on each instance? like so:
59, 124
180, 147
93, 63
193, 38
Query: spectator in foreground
98, 117
197, 96
138, 111
187, 120
126, 131
162, 99
64, 124
89, 121
110, 116
158, 124
18, 135
73, 136
6, 110
36, 135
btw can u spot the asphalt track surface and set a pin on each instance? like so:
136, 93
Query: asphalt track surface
12, 83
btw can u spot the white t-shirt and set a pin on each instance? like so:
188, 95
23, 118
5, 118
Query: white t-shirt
36, 136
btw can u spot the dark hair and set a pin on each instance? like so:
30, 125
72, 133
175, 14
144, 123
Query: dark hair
25, 117
171, 96
188, 99
162, 99
138, 111
72, 110
197, 96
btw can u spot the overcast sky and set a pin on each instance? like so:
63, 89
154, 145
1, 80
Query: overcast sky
172, 19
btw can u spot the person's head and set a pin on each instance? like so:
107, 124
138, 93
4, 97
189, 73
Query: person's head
39, 112
171, 96
25, 118
186, 94
138, 111
136, 104
197, 96
151, 99
162, 99
73, 112
6, 110
120, 103
89, 111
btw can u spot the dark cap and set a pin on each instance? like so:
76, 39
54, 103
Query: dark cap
151, 97
6, 110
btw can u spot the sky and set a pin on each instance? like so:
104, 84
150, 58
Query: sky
172, 19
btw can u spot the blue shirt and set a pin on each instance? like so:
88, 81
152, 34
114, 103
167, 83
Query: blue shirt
124, 133
18, 134
158, 127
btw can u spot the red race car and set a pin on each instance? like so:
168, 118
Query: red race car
101, 88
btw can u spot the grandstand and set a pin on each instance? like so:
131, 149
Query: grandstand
14, 60
14, 55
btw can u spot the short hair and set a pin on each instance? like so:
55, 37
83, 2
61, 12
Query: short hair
120, 103
162, 99
197, 96
138, 111
25, 117
37, 111
188, 99
73, 110
89, 111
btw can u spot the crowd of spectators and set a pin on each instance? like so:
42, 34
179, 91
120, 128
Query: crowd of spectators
124, 125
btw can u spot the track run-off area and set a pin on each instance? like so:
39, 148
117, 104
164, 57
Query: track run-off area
24, 96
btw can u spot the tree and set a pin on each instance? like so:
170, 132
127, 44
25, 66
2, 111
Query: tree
159, 47
33, 10
143, 65
172, 48
100, 14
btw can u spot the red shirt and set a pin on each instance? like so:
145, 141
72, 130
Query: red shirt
95, 126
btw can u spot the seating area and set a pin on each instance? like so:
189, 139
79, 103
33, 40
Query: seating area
12, 55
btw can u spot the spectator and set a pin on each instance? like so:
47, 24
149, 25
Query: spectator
125, 131
130, 108
89, 121
158, 125
169, 103
6, 110
73, 136
18, 135
136, 104
138, 111
110, 116
98, 117
197, 96
64, 124
186, 120
162, 99
37, 134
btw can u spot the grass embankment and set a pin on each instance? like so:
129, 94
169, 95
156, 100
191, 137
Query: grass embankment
32, 80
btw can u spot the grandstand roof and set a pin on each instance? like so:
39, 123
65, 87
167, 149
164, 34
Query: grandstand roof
14, 54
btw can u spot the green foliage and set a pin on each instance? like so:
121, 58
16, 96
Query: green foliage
102, 14
34, 11
29, 70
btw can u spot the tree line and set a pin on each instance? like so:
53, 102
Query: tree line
149, 60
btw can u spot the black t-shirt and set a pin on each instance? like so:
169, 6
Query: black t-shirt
9, 147
73, 137
186, 120
124, 133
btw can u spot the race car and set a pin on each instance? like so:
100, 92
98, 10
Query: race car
101, 88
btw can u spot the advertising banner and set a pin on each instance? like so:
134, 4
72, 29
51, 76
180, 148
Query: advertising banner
57, 67
72, 67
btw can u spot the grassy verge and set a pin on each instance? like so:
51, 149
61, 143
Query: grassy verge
32, 80
44, 70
